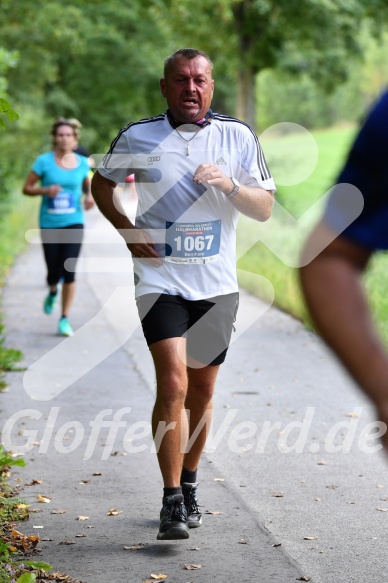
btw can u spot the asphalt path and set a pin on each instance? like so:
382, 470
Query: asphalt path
290, 484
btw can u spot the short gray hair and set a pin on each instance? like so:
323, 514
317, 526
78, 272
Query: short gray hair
188, 54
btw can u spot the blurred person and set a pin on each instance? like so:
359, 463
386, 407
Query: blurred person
79, 148
195, 170
61, 178
332, 281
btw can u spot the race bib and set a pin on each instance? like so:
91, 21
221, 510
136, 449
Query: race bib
193, 242
61, 204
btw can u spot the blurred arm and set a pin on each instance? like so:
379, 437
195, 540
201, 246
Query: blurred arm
88, 199
32, 188
333, 289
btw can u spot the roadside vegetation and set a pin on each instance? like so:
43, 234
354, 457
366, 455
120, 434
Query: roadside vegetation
17, 214
286, 234
16, 549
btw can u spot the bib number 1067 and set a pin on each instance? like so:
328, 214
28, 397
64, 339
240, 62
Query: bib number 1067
198, 243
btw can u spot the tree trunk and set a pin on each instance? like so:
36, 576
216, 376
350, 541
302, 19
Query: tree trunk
245, 105
246, 98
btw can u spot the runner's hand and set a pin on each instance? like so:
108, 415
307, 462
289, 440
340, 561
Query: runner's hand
211, 174
141, 246
53, 190
88, 202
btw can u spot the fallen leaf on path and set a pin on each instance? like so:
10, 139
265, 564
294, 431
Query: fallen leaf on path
304, 579
82, 518
242, 542
160, 576
114, 512
318, 499
44, 499
36, 526
192, 566
85, 482
277, 545
67, 542
23, 543
34, 483
193, 549
277, 494
97, 474
322, 463
382, 509
56, 577
136, 547
219, 479
58, 512
81, 536
212, 512
35, 510
310, 538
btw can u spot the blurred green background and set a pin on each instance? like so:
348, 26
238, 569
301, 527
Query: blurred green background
317, 64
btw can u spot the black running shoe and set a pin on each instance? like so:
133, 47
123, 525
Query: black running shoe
173, 519
194, 516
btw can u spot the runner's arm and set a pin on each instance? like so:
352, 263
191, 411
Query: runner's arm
332, 286
88, 198
138, 241
32, 188
254, 202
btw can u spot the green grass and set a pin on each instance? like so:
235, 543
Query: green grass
278, 265
17, 215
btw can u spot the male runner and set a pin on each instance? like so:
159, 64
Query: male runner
194, 171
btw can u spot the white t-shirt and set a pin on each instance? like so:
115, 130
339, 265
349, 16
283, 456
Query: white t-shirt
195, 225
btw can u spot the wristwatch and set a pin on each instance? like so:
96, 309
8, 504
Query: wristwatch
236, 188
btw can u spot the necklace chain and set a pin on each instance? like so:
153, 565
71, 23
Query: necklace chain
187, 141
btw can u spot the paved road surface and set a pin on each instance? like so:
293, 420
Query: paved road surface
288, 484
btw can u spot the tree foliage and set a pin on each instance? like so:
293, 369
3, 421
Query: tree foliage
101, 60
300, 36
8, 59
6, 108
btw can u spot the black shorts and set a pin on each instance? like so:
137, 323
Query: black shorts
206, 324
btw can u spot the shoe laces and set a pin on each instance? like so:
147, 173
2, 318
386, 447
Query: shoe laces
174, 509
191, 499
